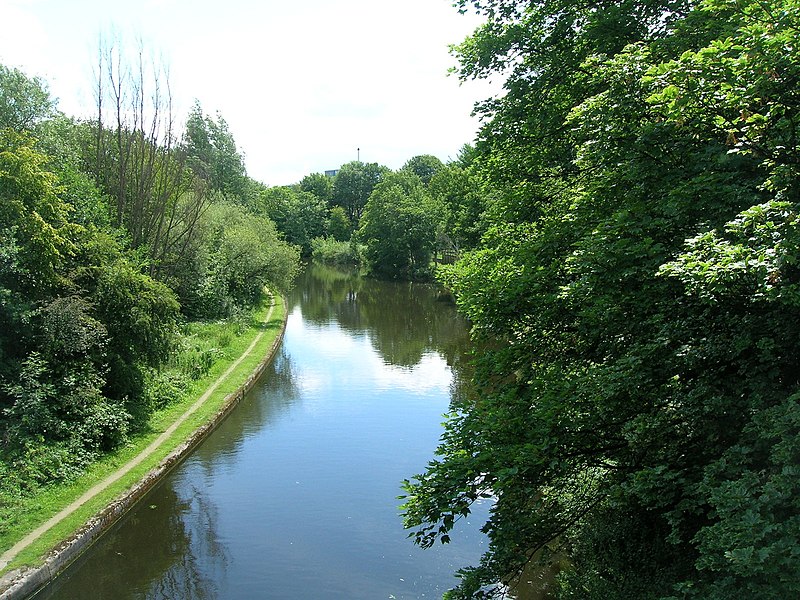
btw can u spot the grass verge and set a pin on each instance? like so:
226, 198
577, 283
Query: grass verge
37, 509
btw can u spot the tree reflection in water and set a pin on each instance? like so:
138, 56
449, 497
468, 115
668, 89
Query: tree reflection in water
402, 319
176, 555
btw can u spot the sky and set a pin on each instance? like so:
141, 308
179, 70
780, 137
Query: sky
304, 85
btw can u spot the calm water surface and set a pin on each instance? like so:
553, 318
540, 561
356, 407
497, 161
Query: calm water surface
295, 495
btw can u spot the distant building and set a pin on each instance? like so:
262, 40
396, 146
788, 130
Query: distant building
331, 173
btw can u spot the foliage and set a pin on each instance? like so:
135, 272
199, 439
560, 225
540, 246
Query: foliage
103, 229
131, 150
339, 226
636, 290
320, 185
140, 315
243, 253
334, 252
299, 215
399, 227
64, 338
424, 166
212, 153
353, 185
467, 155
24, 102
465, 198
33, 218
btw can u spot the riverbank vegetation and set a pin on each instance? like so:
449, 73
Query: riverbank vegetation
636, 286
227, 341
131, 260
400, 224
126, 240
627, 247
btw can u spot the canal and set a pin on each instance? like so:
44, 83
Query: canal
295, 494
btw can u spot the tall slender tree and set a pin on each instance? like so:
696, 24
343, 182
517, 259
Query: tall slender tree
157, 201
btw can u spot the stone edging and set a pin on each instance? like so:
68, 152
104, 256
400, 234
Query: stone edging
22, 583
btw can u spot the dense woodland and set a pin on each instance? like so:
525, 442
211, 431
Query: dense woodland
636, 295
628, 237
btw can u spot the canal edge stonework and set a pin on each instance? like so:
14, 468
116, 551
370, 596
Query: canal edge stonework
21, 583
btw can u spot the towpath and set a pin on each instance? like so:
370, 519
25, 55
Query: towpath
12, 552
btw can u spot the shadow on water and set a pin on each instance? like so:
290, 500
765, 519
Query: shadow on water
170, 567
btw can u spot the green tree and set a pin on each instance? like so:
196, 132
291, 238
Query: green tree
339, 226
90, 212
212, 153
399, 227
140, 315
71, 351
353, 185
134, 158
636, 290
24, 101
197, 143
300, 216
465, 198
228, 166
424, 166
33, 218
243, 253
467, 155
320, 185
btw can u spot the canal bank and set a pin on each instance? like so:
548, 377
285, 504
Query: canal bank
294, 495
232, 385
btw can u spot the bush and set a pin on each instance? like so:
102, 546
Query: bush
166, 386
333, 252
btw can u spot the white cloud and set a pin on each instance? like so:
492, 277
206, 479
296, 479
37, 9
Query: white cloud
431, 373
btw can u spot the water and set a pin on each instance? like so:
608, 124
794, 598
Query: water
295, 495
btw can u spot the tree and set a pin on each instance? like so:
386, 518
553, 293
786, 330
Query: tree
78, 322
157, 200
90, 214
465, 198
636, 404
197, 143
228, 166
425, 166
339, 226
35, 243
353, 185
299, 215
320, 185
467, 155
244, 254
33, 218
399, 226
24, 101
212, 154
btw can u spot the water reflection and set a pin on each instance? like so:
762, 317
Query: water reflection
295, 494
404, 320
159, 554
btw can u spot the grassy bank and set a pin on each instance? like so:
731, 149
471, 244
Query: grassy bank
219, 344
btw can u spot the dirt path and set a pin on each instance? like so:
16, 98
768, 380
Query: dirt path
12, 552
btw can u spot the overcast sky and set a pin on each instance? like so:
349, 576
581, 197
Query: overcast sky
301, 83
